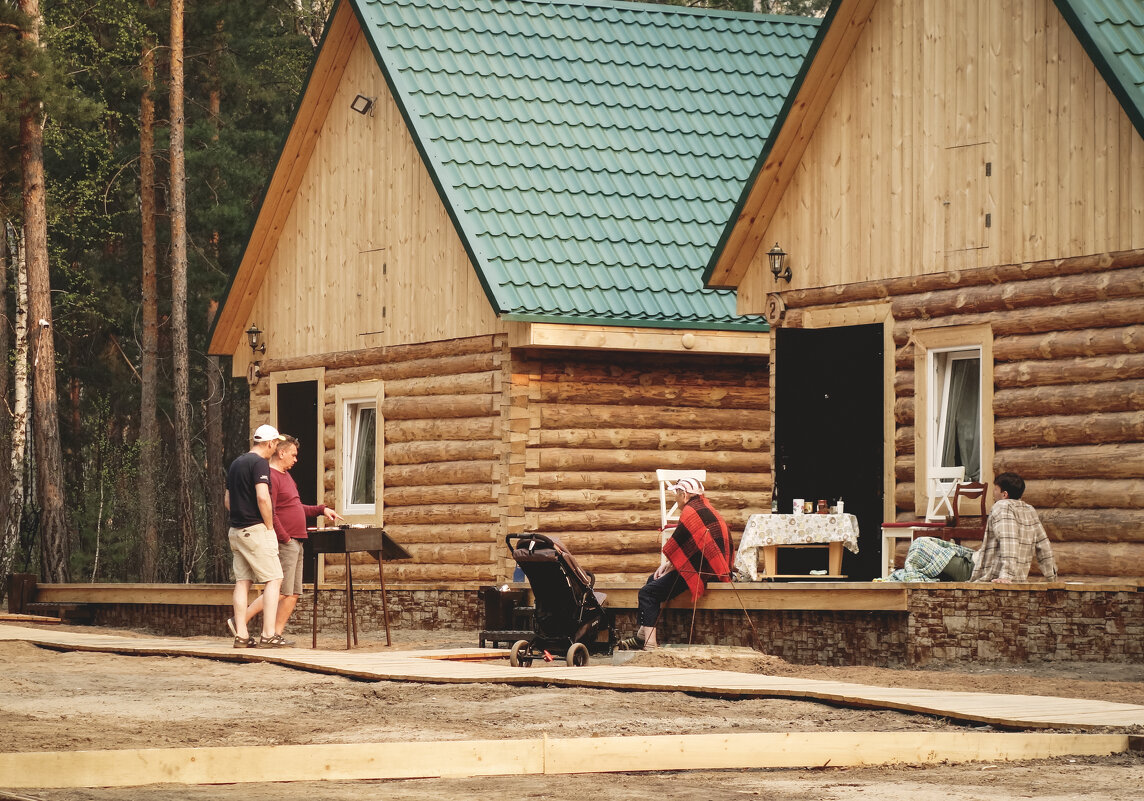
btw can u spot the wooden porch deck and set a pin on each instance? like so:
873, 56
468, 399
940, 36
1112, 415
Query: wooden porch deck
473, 665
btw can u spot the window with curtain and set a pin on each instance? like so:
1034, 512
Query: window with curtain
957, 416
361, 457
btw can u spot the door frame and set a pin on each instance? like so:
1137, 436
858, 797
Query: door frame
318, 375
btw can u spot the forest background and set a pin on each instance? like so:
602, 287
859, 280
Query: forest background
136, 140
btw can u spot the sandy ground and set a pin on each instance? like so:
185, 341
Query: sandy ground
53, 700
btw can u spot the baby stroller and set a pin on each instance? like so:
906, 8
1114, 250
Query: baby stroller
570, 619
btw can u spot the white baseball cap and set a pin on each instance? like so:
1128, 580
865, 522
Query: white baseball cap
265, 433
692, 486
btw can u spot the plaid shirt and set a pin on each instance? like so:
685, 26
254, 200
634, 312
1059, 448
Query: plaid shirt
1013, 535
926, 558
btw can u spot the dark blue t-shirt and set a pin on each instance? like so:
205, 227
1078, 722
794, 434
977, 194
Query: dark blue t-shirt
245, 472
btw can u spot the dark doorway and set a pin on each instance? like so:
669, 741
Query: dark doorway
298, 416
828, 437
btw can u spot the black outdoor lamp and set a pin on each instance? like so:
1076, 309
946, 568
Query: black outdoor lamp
254, 338
777, 257
254, 335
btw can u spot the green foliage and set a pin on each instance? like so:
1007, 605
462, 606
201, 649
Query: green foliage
87, 75
104, 499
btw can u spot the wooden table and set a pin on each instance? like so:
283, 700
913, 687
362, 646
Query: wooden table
773, 531
346, 540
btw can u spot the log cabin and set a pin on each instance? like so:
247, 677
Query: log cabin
957, 187
475, 277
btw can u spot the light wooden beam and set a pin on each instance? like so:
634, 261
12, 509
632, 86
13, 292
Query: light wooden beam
662, 340
453, 759
835, 596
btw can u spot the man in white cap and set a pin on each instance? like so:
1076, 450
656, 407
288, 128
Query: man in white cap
252, 539
699, 550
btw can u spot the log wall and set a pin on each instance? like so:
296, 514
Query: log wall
598, 427
442, 465
481, 442
1068, 383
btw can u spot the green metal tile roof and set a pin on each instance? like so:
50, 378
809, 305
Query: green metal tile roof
1112, 32
589, 152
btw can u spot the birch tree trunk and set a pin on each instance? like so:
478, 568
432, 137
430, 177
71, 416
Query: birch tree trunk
54, 545
14, 487
149, 444
179, 344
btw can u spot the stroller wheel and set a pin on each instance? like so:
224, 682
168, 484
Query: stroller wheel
514, 657
577, 655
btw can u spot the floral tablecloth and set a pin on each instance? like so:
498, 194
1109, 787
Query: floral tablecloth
774, 529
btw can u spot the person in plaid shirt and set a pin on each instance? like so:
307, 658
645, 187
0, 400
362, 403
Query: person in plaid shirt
1013, 536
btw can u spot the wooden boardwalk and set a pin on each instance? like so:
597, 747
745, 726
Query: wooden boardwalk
474, 665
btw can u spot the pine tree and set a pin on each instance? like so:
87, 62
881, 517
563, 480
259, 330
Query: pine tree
54, 544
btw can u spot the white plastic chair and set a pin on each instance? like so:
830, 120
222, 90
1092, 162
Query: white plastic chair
665, 477
943, 483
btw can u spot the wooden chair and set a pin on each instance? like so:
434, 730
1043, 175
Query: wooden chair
940, 505
967, 526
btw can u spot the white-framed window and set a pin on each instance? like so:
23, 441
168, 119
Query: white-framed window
955, 409
360, 448
360, 463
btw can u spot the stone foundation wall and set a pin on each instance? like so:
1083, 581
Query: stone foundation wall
803, 638
425, 610
944, 625
1015, 626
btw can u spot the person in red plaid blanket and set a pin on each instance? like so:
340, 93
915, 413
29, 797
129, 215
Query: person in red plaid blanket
698, 551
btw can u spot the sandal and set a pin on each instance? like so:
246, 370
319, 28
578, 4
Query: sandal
277, 641
231, 627
245, 642
633, 643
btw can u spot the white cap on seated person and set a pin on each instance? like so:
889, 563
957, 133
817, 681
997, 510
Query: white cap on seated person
692, 486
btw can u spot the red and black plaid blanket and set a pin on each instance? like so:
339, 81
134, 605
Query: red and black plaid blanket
700, 548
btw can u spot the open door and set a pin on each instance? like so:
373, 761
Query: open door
297, 405
298, 416
828, 438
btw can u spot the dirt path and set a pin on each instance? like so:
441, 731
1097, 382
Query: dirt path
79, 700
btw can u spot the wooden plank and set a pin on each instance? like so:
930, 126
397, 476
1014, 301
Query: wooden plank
553, 335
222, 765
396, 760
7, 618
178, 594
838, 596
807, 749
1003, 710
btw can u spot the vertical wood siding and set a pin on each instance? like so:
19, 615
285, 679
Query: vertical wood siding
893, 182
367, 255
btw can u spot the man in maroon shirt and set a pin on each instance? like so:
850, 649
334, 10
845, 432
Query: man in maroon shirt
290, 527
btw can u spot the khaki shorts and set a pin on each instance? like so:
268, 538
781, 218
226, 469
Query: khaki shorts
255, 550
290, 555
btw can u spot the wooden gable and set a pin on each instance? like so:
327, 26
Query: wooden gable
353, 246
957, 135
